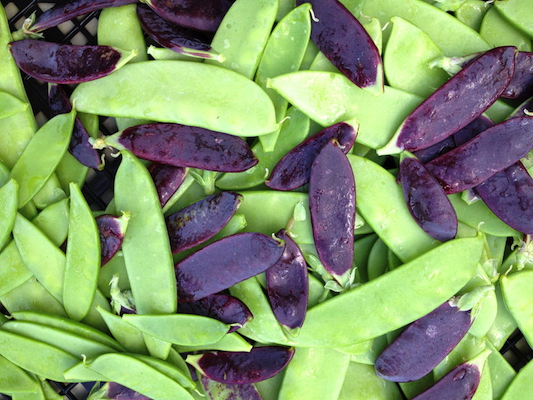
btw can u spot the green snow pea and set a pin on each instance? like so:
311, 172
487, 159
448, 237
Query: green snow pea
378, 262
362, 383
388, 215
484, 390
195, 94
522, 385
517, 12
15, 379
243, 34
146, 246
504, 324
328, 98
498, 32
471, 13
8, 210
467, 348
229, 342
516, 290
42, 154
115, 266
53, 221
126, 334
401, 296
501, 372
82, 257
314, 374
407, 59
161, 53
51, 192
10, 105
362, 249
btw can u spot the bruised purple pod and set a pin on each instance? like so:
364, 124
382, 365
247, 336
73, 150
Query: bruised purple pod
346, 43
202, 15
175, 37
332, 210
167, 180
183, 146
521, 85
79, 145
225, 308
66, 63
293, 170
225, 263
225, 391
423, 344
231, 367
287, 285
477, 160
426, 200
460, 383
201, 220
463, 98
112, 230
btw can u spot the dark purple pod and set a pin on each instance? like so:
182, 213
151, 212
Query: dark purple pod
521, 85
202, 15
332, 209
79, 145
346, 43
509, 195
473, 129
66, 63
201, 220
226, 308
213, 390
115, 391
426, 200
293, 170
224, 263
463, 98
175, 37
184, 146
435, 150
423, 344
112, 230
489, 152
231, 367
287, 285
167, 180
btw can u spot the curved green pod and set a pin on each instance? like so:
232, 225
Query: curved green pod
10, 105
194, 94
517, 294
518, 12
8, 210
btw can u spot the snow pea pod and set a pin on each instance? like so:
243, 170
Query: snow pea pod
15, 379
447, 267
498, 32
126, 334
8, 210
229, 342
517, 295
362, 383
501, 372
195, 94
521, 386
471, 13
518, 13
10, 105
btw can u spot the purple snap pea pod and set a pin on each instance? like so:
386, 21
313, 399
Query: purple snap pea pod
115, 391
167, 180
426, 200
293, 170
258, 364
521, 85
332, 209
423, 344
225, 308
435, 150
112, 230
346, 43
463, 98
287, 285
183, 146
66, 63
473, 129
225, 263
175, 37
79, 145
201, 220
203, 15
491, 151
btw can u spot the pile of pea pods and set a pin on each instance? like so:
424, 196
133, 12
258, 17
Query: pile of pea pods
132, 319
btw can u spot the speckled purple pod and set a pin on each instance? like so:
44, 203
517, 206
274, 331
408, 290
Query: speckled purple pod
477, 160
332, 209
167, 180
112, 231
224, 263
521, 85
423, 344
201, 220
213, 389
293, 170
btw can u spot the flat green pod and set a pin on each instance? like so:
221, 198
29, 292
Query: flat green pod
15, 379
126, 334
518, 296
10, 105
522, 385
497, 31
8, 210
471, 13
362, 383
517, 12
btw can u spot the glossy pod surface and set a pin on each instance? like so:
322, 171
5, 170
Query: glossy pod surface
167, 180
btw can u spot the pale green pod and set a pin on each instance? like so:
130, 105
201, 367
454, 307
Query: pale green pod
8, 210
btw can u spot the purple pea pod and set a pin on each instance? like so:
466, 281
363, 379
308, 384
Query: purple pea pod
458, 102
112, 230
423, 344
460, 383
183, 146
201, 15
167, 180
225, 308
287, 285
473, 129
477, 160
293, 170
201, 220
521, 85
79, 145
175, 37
234, 367
224, 391
115, 391
332, 209
435, 150
225, 263
66, 63
346, 43
426, 200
